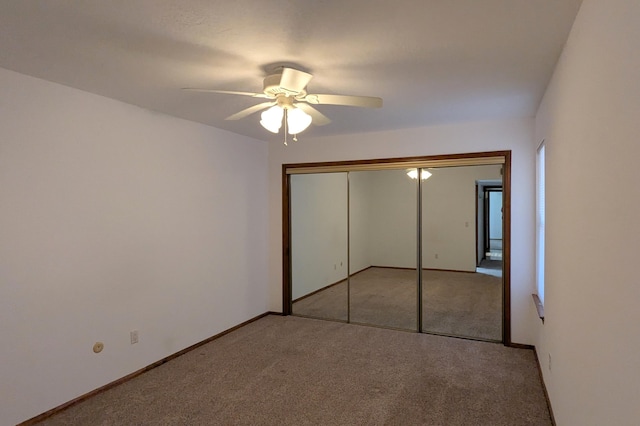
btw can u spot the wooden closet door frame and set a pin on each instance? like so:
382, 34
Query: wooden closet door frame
466, 159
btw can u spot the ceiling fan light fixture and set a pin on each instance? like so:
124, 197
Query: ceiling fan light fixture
271, 119
297, 120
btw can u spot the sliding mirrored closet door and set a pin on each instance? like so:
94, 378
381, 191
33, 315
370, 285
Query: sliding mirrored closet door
412, 244
459, 297
383, 245
319, 231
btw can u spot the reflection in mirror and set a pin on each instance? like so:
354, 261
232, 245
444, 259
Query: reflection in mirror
319, 245
462, 252
382, 243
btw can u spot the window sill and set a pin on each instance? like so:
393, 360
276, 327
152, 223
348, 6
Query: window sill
539, 306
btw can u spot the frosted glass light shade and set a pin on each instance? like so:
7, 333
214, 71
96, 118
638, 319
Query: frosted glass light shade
297, 120
413, 174
271, 119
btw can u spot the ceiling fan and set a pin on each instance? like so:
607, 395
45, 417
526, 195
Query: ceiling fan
289, 103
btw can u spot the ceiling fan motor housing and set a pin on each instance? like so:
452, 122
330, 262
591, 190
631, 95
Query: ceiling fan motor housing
271, 87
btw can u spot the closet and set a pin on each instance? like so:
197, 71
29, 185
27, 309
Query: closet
393, 243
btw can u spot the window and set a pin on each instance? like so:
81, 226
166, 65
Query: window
540, 220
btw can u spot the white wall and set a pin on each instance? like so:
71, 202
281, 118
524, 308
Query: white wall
115, 218
449, 216
515, 135
590, 120
393, 223
360, 187
495, 215
318, 231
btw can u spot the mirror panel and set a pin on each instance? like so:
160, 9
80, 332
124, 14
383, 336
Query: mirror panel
459, 296
383, 245
319, 245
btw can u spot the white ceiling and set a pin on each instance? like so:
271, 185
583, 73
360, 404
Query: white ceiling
432, 61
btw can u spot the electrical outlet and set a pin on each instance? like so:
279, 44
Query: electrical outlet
134, 336
549, 362
98, 347
436, 255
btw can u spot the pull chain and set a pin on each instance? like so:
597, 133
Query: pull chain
286, 124
286, 128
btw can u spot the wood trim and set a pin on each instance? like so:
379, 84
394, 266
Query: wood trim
59, 408
505, 159
489, 157
449, 270
394, 267
361, 270
287, 293
506, 249
330, 285
424, 269
476, 223
520, 346
318, 290
539, 306
544, 387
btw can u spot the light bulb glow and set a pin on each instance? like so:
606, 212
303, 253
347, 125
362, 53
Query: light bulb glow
413, 174
271, 119
297, 120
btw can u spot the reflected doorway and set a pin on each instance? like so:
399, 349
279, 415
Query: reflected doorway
489, 223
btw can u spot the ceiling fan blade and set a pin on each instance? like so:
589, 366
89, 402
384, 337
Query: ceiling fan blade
319, 119
226, 92
294, 80
348, 100
248, 111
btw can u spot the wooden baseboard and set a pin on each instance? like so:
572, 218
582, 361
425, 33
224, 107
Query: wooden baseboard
329, 286
449, 270
544, 387
520, 346
375, 266
318, 291
424, 269
130, 376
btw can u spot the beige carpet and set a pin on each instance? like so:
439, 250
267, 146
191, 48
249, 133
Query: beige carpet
454, 303
299, 371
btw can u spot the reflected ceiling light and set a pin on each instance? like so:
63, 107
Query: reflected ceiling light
413, 174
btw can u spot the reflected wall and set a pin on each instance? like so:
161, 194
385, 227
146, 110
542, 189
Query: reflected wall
319, 245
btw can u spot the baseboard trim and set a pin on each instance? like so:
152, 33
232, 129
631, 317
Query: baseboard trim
318, 290
375, 266
329, 286
449, 270
424, 269
521, 346
130, 376
544, 387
